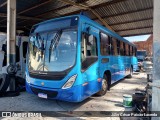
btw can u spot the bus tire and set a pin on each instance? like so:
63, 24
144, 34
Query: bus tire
131, 73
5, 81
105, 86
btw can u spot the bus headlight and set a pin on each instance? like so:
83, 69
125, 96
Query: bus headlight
70, 82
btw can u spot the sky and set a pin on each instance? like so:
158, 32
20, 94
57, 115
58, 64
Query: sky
137, 38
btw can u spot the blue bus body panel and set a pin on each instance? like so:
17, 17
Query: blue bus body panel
87, 82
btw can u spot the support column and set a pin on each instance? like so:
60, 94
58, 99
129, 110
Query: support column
11, 37
156, 59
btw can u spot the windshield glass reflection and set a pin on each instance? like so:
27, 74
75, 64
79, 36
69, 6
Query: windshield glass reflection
54, 51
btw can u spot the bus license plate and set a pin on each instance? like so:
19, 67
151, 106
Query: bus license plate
42, 95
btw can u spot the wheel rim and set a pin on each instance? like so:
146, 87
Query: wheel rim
104, 85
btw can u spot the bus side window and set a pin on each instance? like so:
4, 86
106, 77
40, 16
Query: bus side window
127, 50
111, 46
118, 47
91, 46
88, 45
134, 51
124, 49
131, 53
82, 47
89, 50
121, 48
105, 44
114, 41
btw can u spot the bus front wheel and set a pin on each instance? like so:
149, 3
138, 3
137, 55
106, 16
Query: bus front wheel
104, 86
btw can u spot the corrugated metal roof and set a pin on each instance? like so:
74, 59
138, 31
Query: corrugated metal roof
130, 17
136, 31
42, 9
96, 2
126, 17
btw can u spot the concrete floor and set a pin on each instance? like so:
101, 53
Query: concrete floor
112, 101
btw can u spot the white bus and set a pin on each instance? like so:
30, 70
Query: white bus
21, 51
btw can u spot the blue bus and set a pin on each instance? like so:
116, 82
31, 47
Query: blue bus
72, 58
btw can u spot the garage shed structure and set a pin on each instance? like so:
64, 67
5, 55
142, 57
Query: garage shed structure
125, 17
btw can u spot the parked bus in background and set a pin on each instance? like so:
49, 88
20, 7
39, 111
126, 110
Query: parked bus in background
21, 51
141, 55
72, 58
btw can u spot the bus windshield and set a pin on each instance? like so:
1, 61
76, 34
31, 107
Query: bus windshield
53, 51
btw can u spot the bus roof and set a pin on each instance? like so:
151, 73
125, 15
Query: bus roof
95, 24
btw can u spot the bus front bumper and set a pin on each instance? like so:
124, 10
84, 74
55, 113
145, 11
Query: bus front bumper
73, 94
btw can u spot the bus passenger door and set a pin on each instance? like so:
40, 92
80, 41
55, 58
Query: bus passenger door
89, 59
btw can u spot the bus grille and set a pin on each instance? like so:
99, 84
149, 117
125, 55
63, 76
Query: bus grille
50, 94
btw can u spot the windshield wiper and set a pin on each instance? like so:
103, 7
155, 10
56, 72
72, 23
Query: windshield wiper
54, 42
